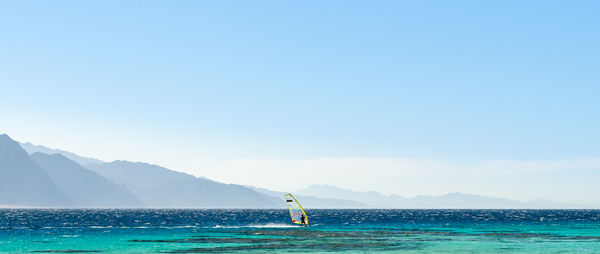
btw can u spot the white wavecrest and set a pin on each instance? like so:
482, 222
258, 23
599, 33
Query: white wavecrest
267, 225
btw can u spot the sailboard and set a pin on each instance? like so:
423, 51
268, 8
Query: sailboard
296, 210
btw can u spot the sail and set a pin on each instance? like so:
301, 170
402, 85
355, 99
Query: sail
296, 210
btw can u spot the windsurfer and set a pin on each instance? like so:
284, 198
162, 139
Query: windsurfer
302, 220
297, 214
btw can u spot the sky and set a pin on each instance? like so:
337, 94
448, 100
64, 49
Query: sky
497, 98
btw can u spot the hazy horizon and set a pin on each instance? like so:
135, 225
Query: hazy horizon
409, 98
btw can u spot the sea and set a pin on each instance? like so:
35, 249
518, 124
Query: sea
271, 231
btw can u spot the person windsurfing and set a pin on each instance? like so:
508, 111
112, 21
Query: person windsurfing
297, 213
302, 220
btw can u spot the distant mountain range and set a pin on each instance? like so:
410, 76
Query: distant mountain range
314, 201
160, 187
452, 200
31, 148
82, 186
56, 178
23, 182
37, 176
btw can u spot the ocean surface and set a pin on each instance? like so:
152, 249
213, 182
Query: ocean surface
260, 231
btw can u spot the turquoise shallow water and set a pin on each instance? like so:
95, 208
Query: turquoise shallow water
260, 231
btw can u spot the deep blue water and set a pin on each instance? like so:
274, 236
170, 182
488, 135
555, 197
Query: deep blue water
188, 230
36, 218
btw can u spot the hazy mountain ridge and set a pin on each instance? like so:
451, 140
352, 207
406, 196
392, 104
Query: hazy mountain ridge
161, 187
31, 149
369, 199
313, 202
23, 182
82, 186
58, 180
138, 175
451, 200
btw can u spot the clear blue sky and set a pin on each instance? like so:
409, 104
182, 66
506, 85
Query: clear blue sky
458, 81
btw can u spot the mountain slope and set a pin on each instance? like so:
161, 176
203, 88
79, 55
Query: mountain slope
138, 175
313, 202
371, 198
462, 201
82, 186
160, 187
31, 148
23, 182
451, 200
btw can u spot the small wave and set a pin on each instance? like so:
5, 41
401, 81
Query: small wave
273, 225
219, 226
100, 226
188, 226
268, 225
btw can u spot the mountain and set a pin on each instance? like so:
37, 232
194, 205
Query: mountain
82, 186
452, 200
469, 201
23, 182
31, 148
160, 187
462, 201
313, 202
545, 204
138, 175
370, 198
65, 179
